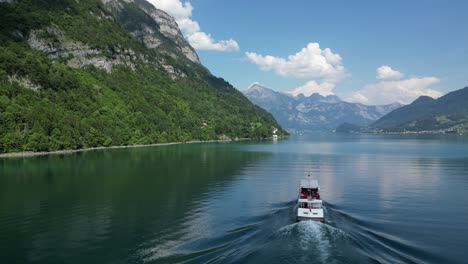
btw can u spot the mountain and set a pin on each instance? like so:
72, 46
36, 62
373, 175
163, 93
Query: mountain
77, 74
425, 113
315, 112
348, 128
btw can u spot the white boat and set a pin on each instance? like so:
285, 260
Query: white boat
309, 204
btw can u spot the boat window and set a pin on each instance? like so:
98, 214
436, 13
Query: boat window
316, 205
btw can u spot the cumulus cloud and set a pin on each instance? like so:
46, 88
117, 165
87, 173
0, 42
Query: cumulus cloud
182, 13
312, 87
385, 72
203, 41
309, 63
175, 8
401, 91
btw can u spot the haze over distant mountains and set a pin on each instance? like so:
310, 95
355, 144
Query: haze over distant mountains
315, 112
449, 112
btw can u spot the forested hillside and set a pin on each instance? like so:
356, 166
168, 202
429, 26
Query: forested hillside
77, 74
447, 113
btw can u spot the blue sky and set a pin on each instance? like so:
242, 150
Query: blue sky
424, 45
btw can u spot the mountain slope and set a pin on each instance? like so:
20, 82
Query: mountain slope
315, 112
426, 113
88, 73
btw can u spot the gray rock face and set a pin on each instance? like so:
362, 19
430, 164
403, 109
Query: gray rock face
80, 55
104, 63
169, 28
55, 45
24, 82
167, 24
152, 36
147, 35
173, 72
316, 112
163, 29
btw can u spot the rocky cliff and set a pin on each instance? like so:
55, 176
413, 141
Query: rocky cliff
89, 73
154, 31
150, 32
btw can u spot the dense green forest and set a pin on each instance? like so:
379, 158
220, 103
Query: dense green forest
46, 105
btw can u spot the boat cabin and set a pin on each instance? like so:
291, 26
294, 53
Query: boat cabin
310, 204
309, 189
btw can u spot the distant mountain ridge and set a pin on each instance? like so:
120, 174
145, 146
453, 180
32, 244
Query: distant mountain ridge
425, 113
315, 112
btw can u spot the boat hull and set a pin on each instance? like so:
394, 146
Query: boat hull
304, 214
315, 219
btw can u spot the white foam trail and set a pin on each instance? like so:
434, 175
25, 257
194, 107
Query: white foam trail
164, 250
312, 235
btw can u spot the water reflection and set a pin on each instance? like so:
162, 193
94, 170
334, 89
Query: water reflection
104, 201
229, 202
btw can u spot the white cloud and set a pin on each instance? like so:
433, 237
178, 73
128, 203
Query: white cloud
312, 87
309, 63
203, 41
188, 26
401, 91
385, 72
175, 8
182, 12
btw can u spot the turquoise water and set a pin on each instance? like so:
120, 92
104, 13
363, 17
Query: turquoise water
388, 199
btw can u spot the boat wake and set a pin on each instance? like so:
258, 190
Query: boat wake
276, 237
308, 236
306, 242
374, 241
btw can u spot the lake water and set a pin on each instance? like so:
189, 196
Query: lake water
388, 199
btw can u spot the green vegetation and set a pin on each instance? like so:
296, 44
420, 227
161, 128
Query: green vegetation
348, 128
46, 105
446, 114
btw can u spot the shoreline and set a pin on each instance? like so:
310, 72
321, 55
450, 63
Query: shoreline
71, 151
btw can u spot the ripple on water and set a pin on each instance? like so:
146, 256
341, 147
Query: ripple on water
306, 242
379, 245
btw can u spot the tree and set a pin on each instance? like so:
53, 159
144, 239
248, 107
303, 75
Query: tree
92, 138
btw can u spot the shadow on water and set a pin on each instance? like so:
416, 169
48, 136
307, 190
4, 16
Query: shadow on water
110, 205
